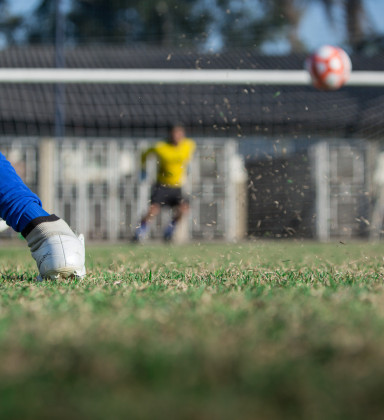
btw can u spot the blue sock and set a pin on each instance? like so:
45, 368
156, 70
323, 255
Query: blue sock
169, 230
18, 204
141, 230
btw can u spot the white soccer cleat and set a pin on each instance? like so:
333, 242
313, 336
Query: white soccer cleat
61, 256
58, 252
3, 225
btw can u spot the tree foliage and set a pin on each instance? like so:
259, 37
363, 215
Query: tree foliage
250, 23
354, 17
41, 28
231, 23
164, 22
9, 24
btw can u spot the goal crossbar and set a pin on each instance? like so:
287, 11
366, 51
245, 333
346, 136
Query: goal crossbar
176, 76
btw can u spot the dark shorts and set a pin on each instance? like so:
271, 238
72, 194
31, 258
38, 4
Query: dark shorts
167, 196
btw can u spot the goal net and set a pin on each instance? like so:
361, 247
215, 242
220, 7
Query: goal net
310, 156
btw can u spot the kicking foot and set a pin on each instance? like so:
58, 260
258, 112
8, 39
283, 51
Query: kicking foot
169, 231
140, 233
58, 252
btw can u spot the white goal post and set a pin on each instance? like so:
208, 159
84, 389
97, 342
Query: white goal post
170, 76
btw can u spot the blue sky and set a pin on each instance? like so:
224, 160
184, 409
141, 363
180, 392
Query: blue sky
24, 6
315, 28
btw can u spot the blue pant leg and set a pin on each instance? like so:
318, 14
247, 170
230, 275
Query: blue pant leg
18, 204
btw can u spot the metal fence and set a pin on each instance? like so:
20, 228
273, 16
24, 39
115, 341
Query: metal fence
326, 191
94, 185
345, 187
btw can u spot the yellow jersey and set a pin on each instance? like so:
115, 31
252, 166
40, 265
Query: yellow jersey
172, 161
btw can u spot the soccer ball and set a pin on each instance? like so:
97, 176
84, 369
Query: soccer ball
329, 67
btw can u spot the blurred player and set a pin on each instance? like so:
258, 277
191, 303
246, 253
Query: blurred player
173, 156
55, 248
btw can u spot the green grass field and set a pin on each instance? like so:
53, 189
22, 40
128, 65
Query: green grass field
271, 330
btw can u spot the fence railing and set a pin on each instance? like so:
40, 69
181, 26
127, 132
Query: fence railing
326, 191
94, 185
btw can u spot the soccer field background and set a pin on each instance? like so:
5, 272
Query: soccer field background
262, 330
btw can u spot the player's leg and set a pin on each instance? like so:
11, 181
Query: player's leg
180, 206
143, 228
181, 211
55, 248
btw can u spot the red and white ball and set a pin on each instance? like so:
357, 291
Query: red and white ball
329, 67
